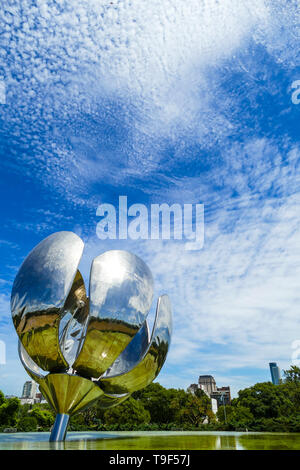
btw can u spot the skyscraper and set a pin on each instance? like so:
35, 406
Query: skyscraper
208, 382
275, 373
29, 389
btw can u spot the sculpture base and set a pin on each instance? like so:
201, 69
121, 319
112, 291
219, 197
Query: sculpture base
59, 430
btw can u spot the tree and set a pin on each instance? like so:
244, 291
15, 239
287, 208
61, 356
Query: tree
28, 424
157, 400
221, 414
192, 409
237, 417
265, 400
44, 417
292, 375
291, 386
130, 412
9, 411
2, 398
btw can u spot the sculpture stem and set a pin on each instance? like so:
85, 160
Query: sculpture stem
59, 430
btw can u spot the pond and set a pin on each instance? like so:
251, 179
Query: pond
153, 441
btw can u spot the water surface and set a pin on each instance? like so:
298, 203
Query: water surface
171, 440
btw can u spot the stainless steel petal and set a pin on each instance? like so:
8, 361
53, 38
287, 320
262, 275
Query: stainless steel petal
121, 292
106, 402
132, 354
73, 320
149, 367
40, 291
68, 394
31, 367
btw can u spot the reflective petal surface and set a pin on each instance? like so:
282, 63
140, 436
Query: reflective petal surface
96, 348
39, 292
108, 402
121, 291
73, 320
132, 354
149, 367
31, 367
69, 394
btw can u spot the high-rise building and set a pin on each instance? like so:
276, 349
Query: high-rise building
275, 373
29, 389
207, 383
30, 394
221, 394
201, 387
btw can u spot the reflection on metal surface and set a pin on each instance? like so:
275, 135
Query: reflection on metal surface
59, 430
95, 348
121, 291
132, 354
73, 320
31, 367
149, 367
68, 393
108, 402
39, 293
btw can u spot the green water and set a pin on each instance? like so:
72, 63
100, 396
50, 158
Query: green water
154, 441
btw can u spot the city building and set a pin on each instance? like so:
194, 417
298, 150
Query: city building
214, 405
222, 395
219, 395
275, 373
30, 394
29, 389
208, 383
201, 387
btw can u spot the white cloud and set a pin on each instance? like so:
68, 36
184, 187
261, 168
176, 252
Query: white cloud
82, 61
79, 62
139, 44
236, 302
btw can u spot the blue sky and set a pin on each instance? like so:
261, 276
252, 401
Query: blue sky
165, 102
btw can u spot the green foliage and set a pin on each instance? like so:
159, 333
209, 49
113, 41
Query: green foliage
78, 422
157, 400
265, 400
87, 419
292, 375
9, 411
192, 409
44, 417
262, 407
238, 418
28, 424
266, 407
129, 412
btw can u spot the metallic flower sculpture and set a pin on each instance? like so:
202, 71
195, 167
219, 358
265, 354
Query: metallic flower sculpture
93, 348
